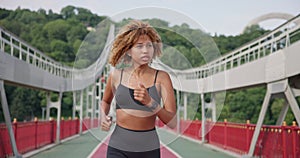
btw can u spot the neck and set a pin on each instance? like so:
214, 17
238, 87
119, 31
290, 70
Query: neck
140, 70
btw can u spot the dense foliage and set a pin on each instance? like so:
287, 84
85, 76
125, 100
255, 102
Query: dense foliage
60, 35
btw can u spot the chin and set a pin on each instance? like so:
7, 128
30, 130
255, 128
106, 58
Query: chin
143, 63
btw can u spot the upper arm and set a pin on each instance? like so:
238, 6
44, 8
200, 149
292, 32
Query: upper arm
109, 88
167, 92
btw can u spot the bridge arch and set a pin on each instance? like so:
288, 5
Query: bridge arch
265, 17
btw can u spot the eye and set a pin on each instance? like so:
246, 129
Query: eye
139, 46
150, 45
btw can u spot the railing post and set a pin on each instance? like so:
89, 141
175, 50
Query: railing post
62, 128
272, 44
34, 58
36, 133
294, 139
283, 136
77, 125
15, 123
208, 132
1, 41
27, 56
11, 47
70, 126
247, 135
287, 42
52, 130
225, 134
20, 51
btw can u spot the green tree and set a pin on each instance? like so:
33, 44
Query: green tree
25, 104
61, 51
53, 16
57, 30
77, 31
68, 12
4, 13
13, 26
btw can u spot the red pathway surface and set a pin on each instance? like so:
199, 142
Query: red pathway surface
101, 151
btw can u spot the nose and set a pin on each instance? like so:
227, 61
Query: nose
144, 49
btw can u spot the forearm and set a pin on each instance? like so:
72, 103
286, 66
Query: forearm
105, 120
104, 108
168, 118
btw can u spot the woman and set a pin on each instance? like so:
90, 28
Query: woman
138, 89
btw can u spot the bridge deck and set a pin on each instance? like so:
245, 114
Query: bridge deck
89, 145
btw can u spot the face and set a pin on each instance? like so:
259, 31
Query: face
142, 51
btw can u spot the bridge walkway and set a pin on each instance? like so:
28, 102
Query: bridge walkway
90, 142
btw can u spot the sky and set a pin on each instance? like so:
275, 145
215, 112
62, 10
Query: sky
226, 17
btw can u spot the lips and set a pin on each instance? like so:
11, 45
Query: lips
145, 58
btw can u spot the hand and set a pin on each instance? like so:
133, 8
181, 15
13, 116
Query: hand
141, 94
106, 122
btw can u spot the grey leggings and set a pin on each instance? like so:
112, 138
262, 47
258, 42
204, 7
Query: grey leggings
126, 143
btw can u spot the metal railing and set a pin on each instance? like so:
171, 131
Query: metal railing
14, 46
11, 44
278, 39
236, 137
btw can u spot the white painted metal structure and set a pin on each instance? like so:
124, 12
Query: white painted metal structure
269, 16
271, 60
21, 64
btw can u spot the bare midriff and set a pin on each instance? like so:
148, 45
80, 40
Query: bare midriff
135, 119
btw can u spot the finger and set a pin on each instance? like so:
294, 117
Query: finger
141, 85
105, 126
109, 118
137, 93
106, 121
140, 91
137, 97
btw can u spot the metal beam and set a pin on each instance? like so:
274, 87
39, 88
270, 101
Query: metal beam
178, 110
81, 112
293, 103
58, 120
74, 105
185, 105
213, 107
273, 90
48, 98
77, 106
259, 122
296, 92
282, 114
8, 120
80, 109
203, 118
93, 96
56, 105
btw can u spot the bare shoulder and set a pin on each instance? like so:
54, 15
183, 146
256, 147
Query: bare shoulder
115, 73
163, 77
115, 76
163, 73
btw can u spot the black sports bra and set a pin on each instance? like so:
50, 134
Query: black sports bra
125, 99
